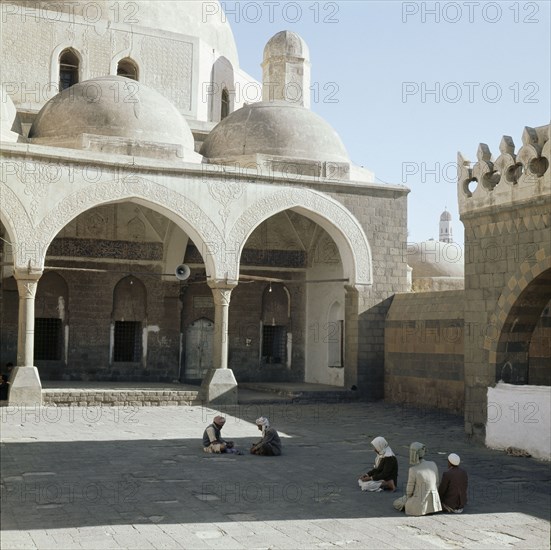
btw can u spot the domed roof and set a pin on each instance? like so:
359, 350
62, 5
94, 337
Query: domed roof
111, 106
286, 43
275, 128
10, 124
445, 216
205, 20
435, 259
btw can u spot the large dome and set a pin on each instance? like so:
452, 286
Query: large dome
205, 20
275, 128
110, 106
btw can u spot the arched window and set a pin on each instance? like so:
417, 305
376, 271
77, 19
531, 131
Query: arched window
127, 68
68, 69
225, 106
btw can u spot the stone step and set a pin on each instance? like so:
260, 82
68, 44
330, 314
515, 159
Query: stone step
108, 398
275, 394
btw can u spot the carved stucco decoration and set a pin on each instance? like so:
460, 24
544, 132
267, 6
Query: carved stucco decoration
342, 226
18, 223
200, 226
226, 193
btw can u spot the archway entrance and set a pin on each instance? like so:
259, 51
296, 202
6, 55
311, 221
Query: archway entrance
523, 354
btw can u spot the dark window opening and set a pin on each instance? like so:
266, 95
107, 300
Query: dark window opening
225, 107
68, 69
128, 341
47, 339
127, 68
274, 343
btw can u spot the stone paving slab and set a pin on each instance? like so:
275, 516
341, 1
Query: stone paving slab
136, 477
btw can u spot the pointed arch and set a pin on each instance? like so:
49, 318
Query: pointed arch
183, 212
331, 215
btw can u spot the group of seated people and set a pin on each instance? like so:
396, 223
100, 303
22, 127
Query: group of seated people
269, 445
424, 494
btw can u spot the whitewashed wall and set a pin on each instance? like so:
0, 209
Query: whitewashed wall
520, 416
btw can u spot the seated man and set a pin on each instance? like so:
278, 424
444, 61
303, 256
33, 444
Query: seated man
384, 474
453, 487
421, 496
270, 444
212, 438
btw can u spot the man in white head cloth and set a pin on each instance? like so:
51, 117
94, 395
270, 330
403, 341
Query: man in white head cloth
212, 437
270, 444
384, 474
421, 496
453, 487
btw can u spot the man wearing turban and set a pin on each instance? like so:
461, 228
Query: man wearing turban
212, 437
421, 496
270, 444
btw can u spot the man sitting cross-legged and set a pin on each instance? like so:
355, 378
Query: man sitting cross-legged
270, 444
212, 437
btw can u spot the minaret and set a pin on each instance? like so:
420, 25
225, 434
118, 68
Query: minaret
286, 69
446, 234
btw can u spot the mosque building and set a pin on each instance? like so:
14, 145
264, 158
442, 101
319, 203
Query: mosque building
129, 153
157, 224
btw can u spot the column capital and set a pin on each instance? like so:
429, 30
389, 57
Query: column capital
27, 275
222, 284
221, 292
27, 286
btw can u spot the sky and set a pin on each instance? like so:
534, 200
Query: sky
409, 84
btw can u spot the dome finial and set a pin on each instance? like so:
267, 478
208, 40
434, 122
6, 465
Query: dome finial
286, 69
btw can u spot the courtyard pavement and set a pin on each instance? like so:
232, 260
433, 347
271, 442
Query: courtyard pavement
129, 477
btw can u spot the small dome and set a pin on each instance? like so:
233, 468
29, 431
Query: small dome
435, 259
275, 128
111, 106
445, 216
286, 43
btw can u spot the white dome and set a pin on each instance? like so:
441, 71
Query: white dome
275, 128
435, 259
90, 107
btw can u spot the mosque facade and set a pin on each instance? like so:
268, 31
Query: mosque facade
127, 153
155, 227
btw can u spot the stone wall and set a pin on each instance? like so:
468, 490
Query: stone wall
383, 216
505, 206
424, 350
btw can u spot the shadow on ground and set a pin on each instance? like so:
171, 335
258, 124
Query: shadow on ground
61, 484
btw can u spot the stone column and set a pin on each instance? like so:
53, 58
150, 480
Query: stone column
351, 310
219, 385
25, 386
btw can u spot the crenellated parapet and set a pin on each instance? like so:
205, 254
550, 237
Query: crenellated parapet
511, 178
